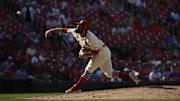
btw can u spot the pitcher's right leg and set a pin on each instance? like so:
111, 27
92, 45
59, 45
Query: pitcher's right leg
90, 68
76, 87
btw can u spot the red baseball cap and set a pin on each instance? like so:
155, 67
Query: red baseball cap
84, 23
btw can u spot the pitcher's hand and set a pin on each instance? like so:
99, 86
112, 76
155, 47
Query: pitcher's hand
48, 33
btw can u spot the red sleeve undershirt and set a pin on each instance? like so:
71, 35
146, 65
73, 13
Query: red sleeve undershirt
65, 30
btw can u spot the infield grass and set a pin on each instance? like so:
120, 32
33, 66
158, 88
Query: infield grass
13, 97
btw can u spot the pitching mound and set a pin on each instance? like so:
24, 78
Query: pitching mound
152, 92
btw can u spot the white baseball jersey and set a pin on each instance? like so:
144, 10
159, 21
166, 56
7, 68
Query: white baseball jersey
90, 41
102, 60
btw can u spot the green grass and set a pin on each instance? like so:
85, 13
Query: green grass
12, 97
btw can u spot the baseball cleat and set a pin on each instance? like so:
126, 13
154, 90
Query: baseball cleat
73, 89
134, 76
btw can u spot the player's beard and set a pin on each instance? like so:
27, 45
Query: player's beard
79, 30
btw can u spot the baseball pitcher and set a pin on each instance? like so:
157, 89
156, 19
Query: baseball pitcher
92, 47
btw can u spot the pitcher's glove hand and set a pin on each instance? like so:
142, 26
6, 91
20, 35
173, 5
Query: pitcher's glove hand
85, 50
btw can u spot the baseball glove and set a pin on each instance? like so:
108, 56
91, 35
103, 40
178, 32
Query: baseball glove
85, 50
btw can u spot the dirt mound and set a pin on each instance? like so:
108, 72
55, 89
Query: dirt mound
151, 92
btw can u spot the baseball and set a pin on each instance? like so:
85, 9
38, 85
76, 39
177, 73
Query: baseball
18, 12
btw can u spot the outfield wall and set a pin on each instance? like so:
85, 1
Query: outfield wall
8, 85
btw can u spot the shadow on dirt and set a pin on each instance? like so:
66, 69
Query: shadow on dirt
162, 87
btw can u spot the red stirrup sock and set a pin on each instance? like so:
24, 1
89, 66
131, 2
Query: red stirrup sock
80, 82
85, 77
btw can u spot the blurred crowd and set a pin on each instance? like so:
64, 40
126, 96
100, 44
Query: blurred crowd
142, 34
